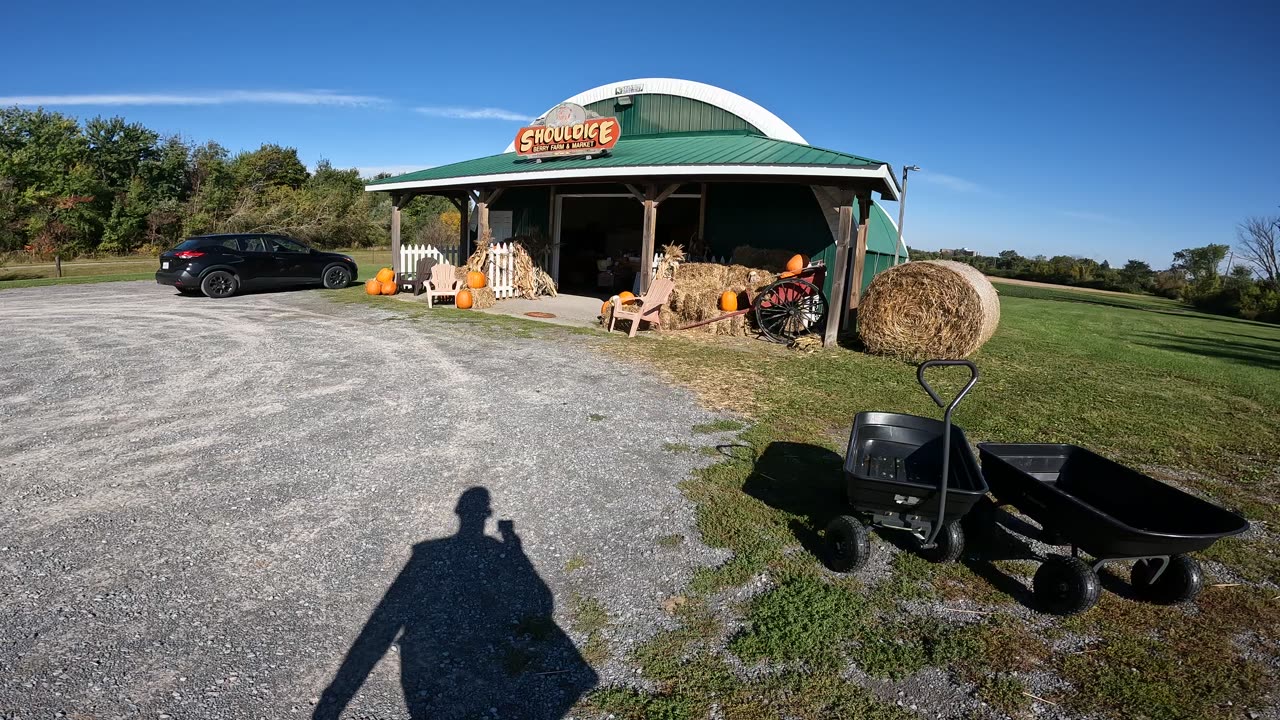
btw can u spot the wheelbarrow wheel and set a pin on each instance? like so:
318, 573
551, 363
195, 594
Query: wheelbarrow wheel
948, 546
848, 544
1180, 582
1065, 585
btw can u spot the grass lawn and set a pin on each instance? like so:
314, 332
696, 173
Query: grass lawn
17, 275
1190, 398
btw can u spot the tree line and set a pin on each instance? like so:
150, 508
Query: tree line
1249, 288
107, 186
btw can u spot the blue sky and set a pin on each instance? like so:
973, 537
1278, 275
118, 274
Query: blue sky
1111, 130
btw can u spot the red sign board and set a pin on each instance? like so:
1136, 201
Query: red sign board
589, 137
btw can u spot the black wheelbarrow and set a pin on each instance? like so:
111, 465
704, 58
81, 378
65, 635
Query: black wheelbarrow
908, 473
1112, 513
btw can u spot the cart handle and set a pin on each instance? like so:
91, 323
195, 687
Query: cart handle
946, 430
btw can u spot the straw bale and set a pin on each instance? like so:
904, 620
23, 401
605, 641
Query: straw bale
482, 298
928, 309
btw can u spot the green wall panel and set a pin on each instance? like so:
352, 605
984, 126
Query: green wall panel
531, 208
659, 114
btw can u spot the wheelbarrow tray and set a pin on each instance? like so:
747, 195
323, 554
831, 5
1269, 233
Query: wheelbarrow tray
1100, 506
894, 463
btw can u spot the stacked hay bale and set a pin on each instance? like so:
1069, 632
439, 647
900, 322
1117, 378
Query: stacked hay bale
771, 259
696, 296
928, 309
482, 297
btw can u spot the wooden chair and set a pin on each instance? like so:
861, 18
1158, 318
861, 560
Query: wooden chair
422, 271
443, 283
650, 304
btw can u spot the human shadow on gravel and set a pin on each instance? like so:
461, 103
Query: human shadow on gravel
473, 622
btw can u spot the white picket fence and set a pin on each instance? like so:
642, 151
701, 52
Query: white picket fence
658, 257
502, 270
411, 254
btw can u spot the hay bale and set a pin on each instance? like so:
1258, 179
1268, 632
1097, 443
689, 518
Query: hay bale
482, 298
928, 309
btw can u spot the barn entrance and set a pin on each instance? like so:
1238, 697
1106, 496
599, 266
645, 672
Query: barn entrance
600, 239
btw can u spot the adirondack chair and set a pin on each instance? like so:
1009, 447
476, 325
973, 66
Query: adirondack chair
442, 283
422, 271
650, 304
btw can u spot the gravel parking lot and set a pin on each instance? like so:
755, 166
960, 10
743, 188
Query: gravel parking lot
203, 504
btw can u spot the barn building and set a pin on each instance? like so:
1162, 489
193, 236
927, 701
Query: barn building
609, 176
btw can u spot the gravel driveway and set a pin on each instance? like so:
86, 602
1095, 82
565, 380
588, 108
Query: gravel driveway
203, 503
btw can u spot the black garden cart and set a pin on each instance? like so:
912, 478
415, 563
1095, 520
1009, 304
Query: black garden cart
909, 473
1108, 511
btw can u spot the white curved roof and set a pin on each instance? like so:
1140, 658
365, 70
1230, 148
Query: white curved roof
768, 123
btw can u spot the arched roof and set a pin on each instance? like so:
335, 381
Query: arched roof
769, 124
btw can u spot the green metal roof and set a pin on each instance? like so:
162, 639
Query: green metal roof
653, 151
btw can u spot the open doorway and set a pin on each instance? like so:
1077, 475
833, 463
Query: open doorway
600, 239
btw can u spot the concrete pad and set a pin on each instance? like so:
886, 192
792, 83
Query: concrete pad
573, 310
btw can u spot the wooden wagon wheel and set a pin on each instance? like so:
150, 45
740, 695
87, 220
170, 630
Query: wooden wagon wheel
789, 309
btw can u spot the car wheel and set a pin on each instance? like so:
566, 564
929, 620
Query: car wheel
336, 277
219, 284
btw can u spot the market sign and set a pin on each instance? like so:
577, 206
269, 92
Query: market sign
568, 131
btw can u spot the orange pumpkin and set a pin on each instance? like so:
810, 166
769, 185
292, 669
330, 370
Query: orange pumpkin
385, 275
389, 288
604, 308
797, 263
728, 301
625, 296
373, 287
476, 279
463, 301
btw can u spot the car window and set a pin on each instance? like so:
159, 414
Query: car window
189, 244
254, 243
283, 244
230, 242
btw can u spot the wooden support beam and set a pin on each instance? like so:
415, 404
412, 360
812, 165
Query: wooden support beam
464, 228
840, 270
859, 253
396, 200
635, 191
666, 193
553, 236
482, 219
702, 215
647, 236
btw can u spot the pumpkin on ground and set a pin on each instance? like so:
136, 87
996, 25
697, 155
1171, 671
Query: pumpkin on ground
476, 279
386, 275
389, 288
728, 301
464, 300
796, 263
373, 287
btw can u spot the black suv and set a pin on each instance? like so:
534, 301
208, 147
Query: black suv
221, 265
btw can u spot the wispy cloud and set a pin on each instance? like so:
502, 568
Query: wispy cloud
1092, 217
951, 182
470, 113
368, 171
212, 97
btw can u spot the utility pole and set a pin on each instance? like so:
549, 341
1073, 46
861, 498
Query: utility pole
902, 208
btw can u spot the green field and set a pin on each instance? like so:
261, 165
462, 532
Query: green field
16, 274
1190, 398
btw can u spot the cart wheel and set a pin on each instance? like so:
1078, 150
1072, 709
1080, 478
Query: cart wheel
948, 546
1179, 582
848, 543
1065, 585
789, 309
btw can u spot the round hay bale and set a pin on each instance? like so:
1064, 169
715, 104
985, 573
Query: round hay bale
928, 309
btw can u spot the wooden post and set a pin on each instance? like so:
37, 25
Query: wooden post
553, 235
57, 265
464, 230
647, 236
860, 252
702, 216
840, 271
482, 215
396, 201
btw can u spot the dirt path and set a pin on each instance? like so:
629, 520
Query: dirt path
202, 504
